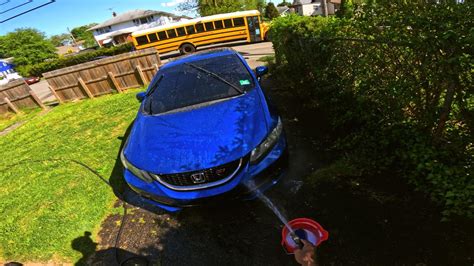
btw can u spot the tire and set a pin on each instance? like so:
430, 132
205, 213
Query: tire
187, 48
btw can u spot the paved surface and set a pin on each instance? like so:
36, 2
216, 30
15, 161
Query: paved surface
42, 90
251, 52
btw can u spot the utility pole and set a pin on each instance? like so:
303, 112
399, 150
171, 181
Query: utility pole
72, 36
324, 6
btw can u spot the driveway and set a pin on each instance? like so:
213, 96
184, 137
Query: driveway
42, 90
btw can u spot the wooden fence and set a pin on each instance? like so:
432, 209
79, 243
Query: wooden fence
103, 76
16, 95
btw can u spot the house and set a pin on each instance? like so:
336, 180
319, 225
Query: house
7, 71
314, 7
118, 29
283, 10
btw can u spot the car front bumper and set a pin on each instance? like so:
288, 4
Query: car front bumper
264, 174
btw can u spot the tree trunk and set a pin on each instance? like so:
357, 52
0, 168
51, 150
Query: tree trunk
444, 116
324, 6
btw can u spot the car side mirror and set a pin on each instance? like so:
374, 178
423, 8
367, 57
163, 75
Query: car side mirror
260, 71
141, 96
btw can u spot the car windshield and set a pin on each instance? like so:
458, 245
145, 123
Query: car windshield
197, 82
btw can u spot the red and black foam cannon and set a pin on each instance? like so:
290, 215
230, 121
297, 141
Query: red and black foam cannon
302, 228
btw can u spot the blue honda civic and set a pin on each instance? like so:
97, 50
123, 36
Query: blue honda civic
204, 129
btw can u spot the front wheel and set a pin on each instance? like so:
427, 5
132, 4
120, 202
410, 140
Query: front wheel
187, 48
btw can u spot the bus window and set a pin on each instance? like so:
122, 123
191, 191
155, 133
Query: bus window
209, 26
141, 40
199, 27
152, 37
181, 31
171, 33
190, 29
238, 22
228, 23
162, 35
218, 24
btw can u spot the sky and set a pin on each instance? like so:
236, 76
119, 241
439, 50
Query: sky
56, 17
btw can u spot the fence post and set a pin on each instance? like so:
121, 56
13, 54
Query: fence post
85, 88
11, 105
55, 94
140, 74
114, 82
156, 67
37, 100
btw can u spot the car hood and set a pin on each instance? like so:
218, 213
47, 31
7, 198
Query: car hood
199, 138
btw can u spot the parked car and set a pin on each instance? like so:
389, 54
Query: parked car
204, 129
31, 80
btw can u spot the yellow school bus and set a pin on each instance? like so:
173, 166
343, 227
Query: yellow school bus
185, 36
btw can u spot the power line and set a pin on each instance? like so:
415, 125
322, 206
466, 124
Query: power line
29, 1
6, 2
29, 10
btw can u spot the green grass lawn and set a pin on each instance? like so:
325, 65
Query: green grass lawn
11, 119
45, 205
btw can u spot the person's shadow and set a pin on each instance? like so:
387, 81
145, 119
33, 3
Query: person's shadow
85, 245
111, 256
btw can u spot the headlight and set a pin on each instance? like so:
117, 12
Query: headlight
266, 146
135, 171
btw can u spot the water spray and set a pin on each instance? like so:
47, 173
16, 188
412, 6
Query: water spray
296, 230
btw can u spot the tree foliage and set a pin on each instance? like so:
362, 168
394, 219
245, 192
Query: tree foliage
57, 40
271, 11
212, 7
27, 46
396, 82
81, 33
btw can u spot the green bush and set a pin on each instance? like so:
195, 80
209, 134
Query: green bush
396, 83
40, 68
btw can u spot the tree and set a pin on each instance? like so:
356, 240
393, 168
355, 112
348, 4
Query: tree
58, 39
82, 33
346, 10
284, 3
27, 46
271, 11
212, 7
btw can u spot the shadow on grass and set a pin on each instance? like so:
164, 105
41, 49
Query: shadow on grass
110, 256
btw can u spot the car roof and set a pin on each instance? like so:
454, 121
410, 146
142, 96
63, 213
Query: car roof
200, 56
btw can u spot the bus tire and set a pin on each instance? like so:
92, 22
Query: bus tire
187, 48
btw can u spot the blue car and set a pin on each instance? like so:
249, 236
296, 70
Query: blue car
205, 132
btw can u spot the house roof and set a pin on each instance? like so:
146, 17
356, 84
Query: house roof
282, 9
131, 15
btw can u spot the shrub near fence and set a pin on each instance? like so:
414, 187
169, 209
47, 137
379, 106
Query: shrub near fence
396, 83
104, 76
17, 95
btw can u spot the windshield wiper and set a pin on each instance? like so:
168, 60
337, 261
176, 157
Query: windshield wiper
156, 85
212, 74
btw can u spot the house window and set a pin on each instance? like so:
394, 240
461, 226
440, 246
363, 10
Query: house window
152, 37
218, 24
143, 20
209, 26
228, 23
104, 30
181, 31
199, 27
238, 22
190, 29
162, 35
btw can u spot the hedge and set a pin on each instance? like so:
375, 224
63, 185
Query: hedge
396, 83
39, 69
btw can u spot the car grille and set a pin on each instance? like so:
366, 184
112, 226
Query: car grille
202, 178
